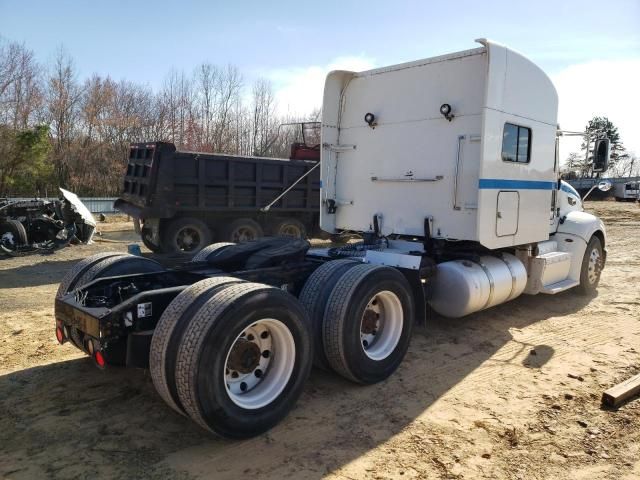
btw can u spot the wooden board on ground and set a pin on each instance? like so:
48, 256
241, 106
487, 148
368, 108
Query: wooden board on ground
621, 392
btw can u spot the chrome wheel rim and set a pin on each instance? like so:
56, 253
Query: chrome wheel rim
593, 272
381, 325
259, 364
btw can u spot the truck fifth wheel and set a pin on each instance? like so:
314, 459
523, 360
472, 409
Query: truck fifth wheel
446, 167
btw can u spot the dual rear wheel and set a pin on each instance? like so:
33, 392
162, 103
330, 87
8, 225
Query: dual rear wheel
232, 355
362, 318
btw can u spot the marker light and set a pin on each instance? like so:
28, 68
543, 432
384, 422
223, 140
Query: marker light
59, 335
370, 118
99, 359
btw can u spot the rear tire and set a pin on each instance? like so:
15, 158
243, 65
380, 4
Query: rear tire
314, 296
70, 279
97, 266
169, 332
243, 230
209, 250
368, 323
592, 265
188, 235
243, 360
17, 234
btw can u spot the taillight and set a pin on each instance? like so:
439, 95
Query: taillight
99, 359
60, 335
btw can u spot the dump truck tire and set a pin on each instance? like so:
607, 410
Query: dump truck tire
150, 245
368, 323
169, 331
203, 254
592, 265
243, 230
16, 229
314, 296
244, 359
186, 234
290, 227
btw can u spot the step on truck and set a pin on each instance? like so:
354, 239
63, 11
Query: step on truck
447, 168
182, 201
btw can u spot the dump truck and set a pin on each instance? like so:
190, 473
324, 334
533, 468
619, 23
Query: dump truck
446, 167
182, 201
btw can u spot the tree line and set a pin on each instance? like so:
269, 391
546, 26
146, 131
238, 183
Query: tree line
58, 130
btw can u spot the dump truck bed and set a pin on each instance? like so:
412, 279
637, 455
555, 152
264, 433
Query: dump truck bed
161, 181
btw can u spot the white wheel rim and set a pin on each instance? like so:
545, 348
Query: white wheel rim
381, 325
254, 382
594, 265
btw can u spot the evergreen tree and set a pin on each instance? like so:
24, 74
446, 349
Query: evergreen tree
599, 127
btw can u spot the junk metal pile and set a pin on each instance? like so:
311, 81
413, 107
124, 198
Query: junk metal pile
32, 226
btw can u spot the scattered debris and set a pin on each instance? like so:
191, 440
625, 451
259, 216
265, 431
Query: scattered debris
575, 377
30, 226
582, 423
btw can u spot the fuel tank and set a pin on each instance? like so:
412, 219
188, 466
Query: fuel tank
461, 287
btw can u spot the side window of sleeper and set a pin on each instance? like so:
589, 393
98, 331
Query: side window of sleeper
516, 143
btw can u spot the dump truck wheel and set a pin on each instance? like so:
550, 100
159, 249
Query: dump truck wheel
290, 227
13, 234
187, 235
150, 245
243, 360
592, 265
212, 250
169, 331
314, 296
243, 230
368, 323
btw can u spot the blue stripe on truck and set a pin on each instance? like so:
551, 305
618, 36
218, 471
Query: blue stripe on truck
500, 184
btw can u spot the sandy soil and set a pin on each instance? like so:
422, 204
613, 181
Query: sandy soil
513, 392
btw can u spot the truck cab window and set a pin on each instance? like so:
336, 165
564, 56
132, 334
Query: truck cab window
516, 143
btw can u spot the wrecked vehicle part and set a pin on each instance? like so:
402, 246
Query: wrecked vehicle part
30, 226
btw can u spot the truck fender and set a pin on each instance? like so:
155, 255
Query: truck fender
583, 225
573, 235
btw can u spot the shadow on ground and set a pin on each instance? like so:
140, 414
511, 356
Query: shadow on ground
71, 420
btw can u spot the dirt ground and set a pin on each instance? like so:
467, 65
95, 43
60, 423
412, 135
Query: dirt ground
512, 392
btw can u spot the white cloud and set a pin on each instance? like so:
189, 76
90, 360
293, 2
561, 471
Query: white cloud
609, 88
299, 89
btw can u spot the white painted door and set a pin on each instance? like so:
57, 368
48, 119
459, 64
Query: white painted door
507, 213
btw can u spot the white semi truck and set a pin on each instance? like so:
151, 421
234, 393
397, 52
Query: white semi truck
446, 167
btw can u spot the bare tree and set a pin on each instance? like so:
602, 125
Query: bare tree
63, 97
264, 123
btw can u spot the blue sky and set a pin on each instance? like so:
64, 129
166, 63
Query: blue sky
294, 43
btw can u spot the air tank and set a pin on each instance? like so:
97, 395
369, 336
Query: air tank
461, 287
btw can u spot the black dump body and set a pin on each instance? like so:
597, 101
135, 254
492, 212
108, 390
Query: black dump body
163, 184
161, 181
